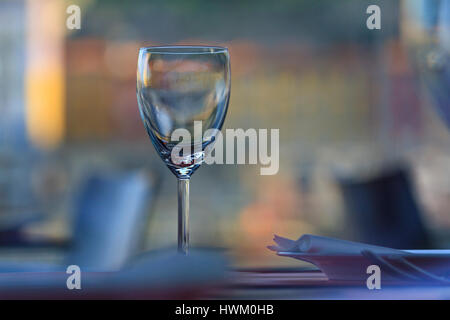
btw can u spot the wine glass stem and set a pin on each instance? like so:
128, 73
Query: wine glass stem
183, 216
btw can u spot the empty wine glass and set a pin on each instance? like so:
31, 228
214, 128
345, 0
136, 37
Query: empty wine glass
426, 31
177, 86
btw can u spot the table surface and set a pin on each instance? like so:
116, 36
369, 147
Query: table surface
290, 285
315, 285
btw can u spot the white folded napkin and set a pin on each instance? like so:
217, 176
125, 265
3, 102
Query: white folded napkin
347, 260
327, 246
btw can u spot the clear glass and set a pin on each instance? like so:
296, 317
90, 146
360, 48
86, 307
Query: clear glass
177, 86
426, 31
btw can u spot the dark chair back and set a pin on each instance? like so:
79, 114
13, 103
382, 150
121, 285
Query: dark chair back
384, 210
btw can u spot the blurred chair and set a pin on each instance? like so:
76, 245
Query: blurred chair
18, 204
111, 213
384, 210
110, 220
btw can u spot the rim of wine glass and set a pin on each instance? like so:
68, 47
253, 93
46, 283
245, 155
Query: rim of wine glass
188, 49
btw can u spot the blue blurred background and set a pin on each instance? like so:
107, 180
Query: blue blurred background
364, 150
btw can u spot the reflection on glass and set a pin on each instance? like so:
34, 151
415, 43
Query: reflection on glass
427, 31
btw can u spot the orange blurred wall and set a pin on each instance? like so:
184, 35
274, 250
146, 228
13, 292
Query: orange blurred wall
45, 78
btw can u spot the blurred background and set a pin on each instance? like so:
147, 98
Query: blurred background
364, 148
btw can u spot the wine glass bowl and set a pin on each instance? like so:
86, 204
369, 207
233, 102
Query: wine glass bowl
177, 88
